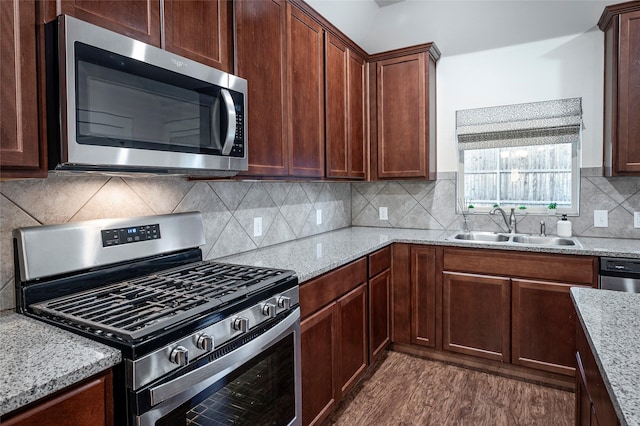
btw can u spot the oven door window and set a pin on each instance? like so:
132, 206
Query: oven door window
260, 392
127, 103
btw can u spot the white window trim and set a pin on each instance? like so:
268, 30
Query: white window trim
573, 210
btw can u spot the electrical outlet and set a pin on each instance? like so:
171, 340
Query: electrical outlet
318, 216
257, 226
318, 250
383, 213
601, 218
636, 219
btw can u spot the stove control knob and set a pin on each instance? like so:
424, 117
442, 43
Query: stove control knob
205, 342
284, 302
180, 356
240, 324
269, 310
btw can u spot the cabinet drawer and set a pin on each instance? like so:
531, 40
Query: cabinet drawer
553, 267
379, 261
330, 286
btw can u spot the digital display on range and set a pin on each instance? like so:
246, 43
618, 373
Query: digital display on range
133, 234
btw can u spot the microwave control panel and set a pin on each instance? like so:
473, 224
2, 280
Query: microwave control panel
131, 234
239, 142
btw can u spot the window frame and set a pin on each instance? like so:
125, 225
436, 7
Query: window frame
573, 210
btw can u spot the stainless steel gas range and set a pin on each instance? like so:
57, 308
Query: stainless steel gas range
203, 343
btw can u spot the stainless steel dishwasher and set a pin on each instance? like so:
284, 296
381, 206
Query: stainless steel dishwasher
620, 274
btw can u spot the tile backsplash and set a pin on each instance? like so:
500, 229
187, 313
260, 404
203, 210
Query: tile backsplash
432, 205
287, 209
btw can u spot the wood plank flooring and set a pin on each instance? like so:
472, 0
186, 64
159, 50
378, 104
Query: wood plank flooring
405, 390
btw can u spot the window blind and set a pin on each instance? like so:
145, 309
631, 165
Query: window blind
536, 123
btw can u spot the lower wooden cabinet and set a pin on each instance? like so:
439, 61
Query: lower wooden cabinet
379, 314
423, 295
318, 352
476, 315
334, 338
593, 404
87, 403
379, 302
352, 347
543, 326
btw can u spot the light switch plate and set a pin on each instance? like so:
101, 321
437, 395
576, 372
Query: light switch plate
318, 216
257, 226
383, 213
636, 219
601, 218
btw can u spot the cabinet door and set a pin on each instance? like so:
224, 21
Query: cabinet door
89, 403
543, 326
423, 299
200, 30
139, 19
476, 315
306, 94
318, 354
402, 117
20, 148
260, 58
345, 134
629, 94
352, 338
379, 313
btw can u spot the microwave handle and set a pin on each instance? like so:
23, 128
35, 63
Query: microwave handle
231, 121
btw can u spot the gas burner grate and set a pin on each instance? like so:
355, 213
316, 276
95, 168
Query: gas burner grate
133, 309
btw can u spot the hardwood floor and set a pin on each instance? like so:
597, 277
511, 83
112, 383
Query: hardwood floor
405, 390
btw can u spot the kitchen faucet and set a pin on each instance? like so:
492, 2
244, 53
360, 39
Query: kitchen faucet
511, 222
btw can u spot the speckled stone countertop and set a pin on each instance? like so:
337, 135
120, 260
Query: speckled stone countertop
313, 256
55, 359
611, 321
39, 359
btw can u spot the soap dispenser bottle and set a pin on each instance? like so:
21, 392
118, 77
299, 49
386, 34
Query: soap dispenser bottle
564, 227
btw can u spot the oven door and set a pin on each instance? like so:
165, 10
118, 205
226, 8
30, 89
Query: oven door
258, 383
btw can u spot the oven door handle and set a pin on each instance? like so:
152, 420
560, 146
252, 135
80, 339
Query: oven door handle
224, 365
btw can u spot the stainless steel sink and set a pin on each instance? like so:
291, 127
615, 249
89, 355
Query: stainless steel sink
548, 241
519, 239
482, 236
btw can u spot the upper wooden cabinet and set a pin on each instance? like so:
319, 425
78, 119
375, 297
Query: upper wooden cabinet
305, 94
345, 110
403, 126
22, 153
261, 39
280, 52
139, 19
196, 29
200, 30
621, 26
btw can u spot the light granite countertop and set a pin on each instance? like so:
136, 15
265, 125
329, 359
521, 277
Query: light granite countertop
55, 359
39, 359
611, 321
313, 256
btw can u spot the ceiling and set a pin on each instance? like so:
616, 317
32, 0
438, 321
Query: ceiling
458, 26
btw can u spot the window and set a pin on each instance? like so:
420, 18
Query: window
520, 155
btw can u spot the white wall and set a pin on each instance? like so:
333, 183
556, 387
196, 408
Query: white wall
564, 67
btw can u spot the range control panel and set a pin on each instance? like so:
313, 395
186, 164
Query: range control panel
132, 234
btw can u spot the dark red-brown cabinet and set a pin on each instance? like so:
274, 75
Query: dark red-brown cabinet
621, 26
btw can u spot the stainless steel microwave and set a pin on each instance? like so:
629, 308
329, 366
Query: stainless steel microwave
125, 106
